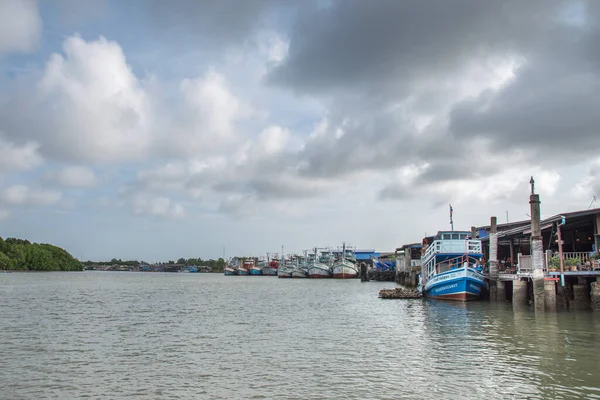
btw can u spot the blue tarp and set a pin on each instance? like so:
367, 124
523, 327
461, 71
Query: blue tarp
365, 256
384, 265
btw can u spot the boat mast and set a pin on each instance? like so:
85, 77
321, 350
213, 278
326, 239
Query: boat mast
343, 257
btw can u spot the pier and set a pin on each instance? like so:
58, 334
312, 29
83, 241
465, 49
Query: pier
550, 264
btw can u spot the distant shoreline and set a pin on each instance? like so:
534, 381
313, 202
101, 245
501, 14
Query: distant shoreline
27, 271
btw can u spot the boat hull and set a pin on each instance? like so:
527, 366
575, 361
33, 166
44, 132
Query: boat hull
269, 271
299, 274
461, 284
229, 272
284, 273
255, 271
319, 273
241, 271
345, 270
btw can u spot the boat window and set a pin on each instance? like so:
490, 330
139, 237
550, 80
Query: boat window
463, 236
455, 236
446, 236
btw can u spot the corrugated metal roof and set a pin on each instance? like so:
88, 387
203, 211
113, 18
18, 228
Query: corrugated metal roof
546, 223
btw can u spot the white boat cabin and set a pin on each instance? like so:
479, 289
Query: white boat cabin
450, 250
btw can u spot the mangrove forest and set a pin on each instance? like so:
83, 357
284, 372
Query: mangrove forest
20, 254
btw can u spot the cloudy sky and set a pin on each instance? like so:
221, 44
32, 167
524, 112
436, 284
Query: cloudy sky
155, 130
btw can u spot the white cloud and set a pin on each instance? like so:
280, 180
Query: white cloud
18, 158
20, 26
547, 182
23, 195
273, 139
74, 176
211, 112
99, 110
143, 204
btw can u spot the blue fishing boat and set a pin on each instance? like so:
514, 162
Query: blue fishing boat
231, 267
252, 268
451, 267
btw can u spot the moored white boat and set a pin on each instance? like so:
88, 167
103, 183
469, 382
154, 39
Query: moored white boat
345, 267
284, 272
319, 271
270, 267
298, 272
319, 268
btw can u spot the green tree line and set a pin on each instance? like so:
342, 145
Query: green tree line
20, 254
215, 265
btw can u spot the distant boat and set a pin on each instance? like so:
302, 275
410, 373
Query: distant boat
232, 266
252, 268
284, 271
450, 267
318, 268
241, 271
345, 267
299, 272
270, 268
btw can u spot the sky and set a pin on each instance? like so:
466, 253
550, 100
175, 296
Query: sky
154, 130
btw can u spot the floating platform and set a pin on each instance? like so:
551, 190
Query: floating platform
399, 293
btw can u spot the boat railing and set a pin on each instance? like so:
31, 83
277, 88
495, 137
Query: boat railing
453, 246
453, 263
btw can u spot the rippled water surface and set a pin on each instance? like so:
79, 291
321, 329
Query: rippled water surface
179, 336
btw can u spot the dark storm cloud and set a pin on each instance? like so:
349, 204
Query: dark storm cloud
546, 107
356, 44
363, 57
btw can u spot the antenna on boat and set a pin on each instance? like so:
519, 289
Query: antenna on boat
451, 221
593, 201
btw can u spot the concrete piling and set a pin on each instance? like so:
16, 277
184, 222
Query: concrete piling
537, 254
595, 295
364, 273
519, 293
493, 259
580, 298
550, 295
500, 291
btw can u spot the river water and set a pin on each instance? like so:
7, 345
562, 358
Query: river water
119, 335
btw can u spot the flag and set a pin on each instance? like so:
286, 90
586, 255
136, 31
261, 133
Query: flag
451, 210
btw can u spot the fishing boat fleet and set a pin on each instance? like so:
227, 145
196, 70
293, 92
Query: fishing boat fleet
319, 263
451, 265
